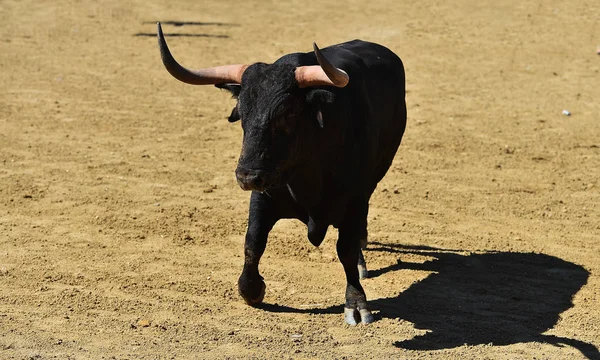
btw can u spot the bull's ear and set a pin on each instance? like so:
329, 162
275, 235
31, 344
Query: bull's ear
234, 89
235, 115
319, 97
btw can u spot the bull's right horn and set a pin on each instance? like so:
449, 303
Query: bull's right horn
323, 74
208, 76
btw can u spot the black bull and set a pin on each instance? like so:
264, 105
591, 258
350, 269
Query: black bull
313, 150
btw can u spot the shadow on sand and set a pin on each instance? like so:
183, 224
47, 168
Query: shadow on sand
497, 298
153, 35
190, 23
186, 23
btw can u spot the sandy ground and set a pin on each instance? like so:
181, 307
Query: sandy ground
121, 225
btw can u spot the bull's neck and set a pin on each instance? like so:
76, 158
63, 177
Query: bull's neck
318, 182
306, 185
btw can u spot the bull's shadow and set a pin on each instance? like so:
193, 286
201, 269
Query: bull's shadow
496, 297
500, 298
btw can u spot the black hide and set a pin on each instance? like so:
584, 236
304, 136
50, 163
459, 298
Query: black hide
316, 154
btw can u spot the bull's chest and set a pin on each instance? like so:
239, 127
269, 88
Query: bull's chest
322, 209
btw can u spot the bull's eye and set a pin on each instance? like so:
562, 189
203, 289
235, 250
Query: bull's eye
285, 123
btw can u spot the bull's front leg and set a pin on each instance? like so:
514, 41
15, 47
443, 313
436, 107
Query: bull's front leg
261, 219
348, 249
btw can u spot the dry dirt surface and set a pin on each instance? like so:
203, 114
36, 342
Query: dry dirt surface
122, 226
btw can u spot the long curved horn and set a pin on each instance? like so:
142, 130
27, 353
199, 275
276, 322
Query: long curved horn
208, 76
323, 74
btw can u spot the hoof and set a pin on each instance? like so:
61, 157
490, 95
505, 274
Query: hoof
259, 298
353, 316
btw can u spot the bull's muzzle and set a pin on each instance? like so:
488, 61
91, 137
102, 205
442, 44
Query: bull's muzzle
256, 180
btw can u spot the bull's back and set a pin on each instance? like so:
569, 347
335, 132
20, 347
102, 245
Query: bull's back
380, 86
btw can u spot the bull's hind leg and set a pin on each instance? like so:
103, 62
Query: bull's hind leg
260, 222
348, 249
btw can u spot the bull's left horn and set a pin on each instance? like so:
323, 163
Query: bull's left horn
208, 76
323, 74
338, 76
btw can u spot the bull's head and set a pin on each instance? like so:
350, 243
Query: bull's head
277, 104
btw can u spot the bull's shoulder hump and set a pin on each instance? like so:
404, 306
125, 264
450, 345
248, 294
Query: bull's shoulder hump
363, 56
351, 54
297, 59
363, 49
